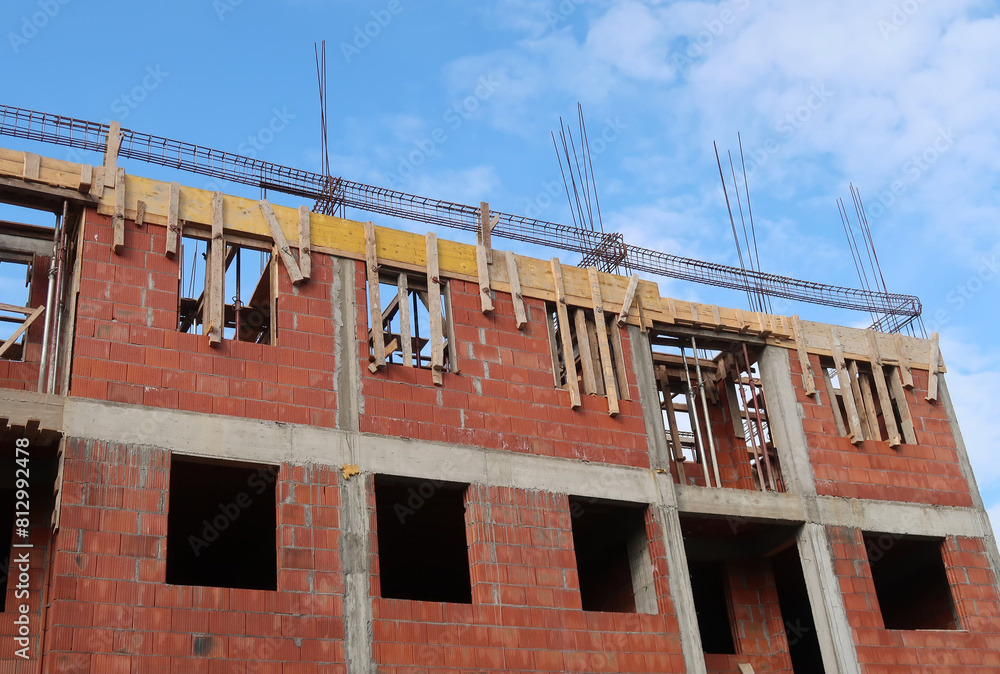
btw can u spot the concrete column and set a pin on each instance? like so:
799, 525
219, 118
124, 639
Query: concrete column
649, 399
354, 552
347, 377
836, 639
785, 417
989, 537
642, 573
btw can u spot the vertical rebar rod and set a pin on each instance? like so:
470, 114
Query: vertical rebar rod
704, 409
757, 402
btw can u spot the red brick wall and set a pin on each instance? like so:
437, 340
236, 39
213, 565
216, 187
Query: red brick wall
759, 631
112, 611
504, 397
526, 613
928, 472
22, 375
973, 648
128, 349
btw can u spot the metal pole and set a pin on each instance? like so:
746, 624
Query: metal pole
693, 412
58, 303
760, 424
43, 364
704, 408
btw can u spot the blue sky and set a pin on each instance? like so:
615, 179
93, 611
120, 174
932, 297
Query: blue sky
456, 100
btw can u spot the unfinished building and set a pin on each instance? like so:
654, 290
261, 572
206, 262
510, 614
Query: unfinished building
266, 439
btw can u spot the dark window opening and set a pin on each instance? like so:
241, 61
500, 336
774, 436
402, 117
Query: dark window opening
221, 525
911, 583
710, 585
796, 612
6, 540
609, 539
247, 293
15, 287
422, 550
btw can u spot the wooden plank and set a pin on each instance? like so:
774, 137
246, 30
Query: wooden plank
595, 352
838, 416
741, 324
620, 371
607, 367
403, 293
111, 148
484, 236
808, 380
118, 221
32, 166
514, 280
16, 309
434, 309
716, 318
449, 331
305, 243
215, 299
140, 213
586, 356
885, 400
572, 384
847, 388
932, 369
86, 178
672, 309
173, 223
281, 242
374, 298
633, 285
899, 394
21, 328
483, 269
874, 432
904, 361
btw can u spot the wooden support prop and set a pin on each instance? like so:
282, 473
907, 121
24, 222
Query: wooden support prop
717, 318
140, 213
403, 292
118, 221
633, 285
484, 235
595, 352
483, 269
86, 178
374, 298
838, 416
607, 366
672, 309
449, 333
32, 166
885, 400
586, 357
741, 322
899, 393
281, 242
668, 403
553, 350
872, 431
216, 298
847, 388
808, 379
765, 329
434, 310
514, 278
305, 244
933, 367
173, 222
616, 346
21, 328
572, 384
113, 145
904, 361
